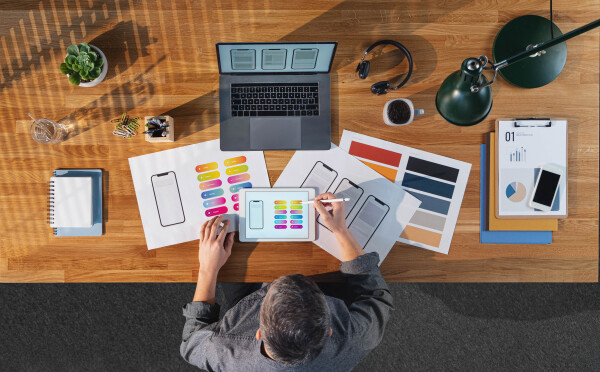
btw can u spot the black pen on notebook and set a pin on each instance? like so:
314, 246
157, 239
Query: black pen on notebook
327, 200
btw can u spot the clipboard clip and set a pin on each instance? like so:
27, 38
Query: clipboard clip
538, 122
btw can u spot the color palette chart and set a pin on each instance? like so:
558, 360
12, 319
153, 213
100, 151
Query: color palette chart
213, 188
437, 181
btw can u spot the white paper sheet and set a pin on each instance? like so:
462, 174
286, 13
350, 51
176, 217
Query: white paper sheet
522, 151
334, 168
438, 181
178, 189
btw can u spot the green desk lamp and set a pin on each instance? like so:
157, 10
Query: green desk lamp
465, 97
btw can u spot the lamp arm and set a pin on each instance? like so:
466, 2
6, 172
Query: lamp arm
531, 52
550, 43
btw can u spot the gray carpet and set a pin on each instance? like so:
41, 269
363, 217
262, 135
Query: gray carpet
436, 327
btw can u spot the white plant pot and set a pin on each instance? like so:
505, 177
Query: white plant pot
99, 79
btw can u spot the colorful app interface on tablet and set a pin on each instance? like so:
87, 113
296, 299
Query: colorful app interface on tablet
277, 215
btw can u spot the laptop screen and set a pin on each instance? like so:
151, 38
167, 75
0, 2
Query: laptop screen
272, 58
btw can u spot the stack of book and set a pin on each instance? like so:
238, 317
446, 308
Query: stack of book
506, 231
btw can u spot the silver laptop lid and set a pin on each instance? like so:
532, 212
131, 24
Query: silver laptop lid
274, 58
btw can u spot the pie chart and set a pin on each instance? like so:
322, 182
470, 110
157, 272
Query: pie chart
516, 192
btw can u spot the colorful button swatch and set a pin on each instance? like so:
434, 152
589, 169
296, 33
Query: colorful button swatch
235, 161
239, 186
208, 176
210, 184
207, 167
212, 193
214, 202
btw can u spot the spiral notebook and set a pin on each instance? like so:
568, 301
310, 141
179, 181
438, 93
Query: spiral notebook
70, 177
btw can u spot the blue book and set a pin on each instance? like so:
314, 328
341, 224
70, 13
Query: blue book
96, 228
504, 237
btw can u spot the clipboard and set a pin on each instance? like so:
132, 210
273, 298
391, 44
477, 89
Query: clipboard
523, 146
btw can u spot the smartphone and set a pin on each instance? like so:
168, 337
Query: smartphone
545, 188
168, 199
255, 215
368, 219
320, 178
346, 189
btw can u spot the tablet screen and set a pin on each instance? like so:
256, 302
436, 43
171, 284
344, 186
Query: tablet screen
277, 215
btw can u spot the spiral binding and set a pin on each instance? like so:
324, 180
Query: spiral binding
50, 205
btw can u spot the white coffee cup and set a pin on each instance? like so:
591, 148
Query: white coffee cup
413, 112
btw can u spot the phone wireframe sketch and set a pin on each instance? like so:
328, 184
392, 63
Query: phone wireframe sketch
168, 199
368, 219
346, 189
256, 214
320, 177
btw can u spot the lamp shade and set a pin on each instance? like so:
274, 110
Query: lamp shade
457, 103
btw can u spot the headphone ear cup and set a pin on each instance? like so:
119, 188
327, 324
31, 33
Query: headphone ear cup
380, 87
363, 69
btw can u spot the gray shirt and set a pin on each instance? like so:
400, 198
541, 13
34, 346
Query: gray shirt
229, 344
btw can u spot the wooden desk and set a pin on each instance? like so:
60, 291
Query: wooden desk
162, 61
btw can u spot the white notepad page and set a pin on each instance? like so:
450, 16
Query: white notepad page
72, 201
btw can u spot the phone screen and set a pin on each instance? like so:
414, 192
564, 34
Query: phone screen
168, 200
546, 188
256, 214
368, 219
320, 178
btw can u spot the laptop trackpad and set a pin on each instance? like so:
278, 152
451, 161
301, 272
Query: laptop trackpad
275, 133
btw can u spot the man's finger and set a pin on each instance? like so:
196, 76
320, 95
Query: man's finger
224, 230
203, 230
229, 242
320, 208
215, 227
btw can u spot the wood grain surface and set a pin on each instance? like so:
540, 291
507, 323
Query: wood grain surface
162, 60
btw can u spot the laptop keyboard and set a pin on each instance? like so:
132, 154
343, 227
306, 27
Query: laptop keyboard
275, 99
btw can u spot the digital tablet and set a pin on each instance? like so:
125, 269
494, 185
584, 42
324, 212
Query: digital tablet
277, 215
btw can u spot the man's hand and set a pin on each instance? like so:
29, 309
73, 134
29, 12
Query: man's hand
214, 249
213, 252
334, 219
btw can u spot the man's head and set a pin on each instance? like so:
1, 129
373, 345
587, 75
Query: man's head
294, 320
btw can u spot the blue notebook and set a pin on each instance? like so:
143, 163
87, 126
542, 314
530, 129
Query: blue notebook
96, 229
504, 237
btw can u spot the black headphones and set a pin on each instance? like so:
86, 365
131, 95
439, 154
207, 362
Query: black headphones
383, 86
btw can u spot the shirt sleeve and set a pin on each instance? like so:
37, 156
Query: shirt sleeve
372, 301
199, 320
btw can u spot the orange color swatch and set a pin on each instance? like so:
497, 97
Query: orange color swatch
421, 236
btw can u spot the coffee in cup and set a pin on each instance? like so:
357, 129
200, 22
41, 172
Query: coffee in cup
400, 111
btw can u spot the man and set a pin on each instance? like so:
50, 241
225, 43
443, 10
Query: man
289, 324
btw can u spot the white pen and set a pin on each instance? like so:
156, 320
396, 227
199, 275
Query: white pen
327, 200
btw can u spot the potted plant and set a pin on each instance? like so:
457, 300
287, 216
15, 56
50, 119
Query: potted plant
85, 65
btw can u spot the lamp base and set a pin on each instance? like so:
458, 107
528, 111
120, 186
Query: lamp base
515, 37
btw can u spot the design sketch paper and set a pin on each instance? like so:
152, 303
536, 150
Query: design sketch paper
178, 189
439, 182
381, 211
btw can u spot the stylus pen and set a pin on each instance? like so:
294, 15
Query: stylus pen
327, 200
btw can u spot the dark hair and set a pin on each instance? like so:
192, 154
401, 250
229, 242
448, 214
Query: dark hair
294, 320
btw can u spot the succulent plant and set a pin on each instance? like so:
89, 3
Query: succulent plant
81, 63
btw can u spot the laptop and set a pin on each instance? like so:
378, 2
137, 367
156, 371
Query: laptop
275, 96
